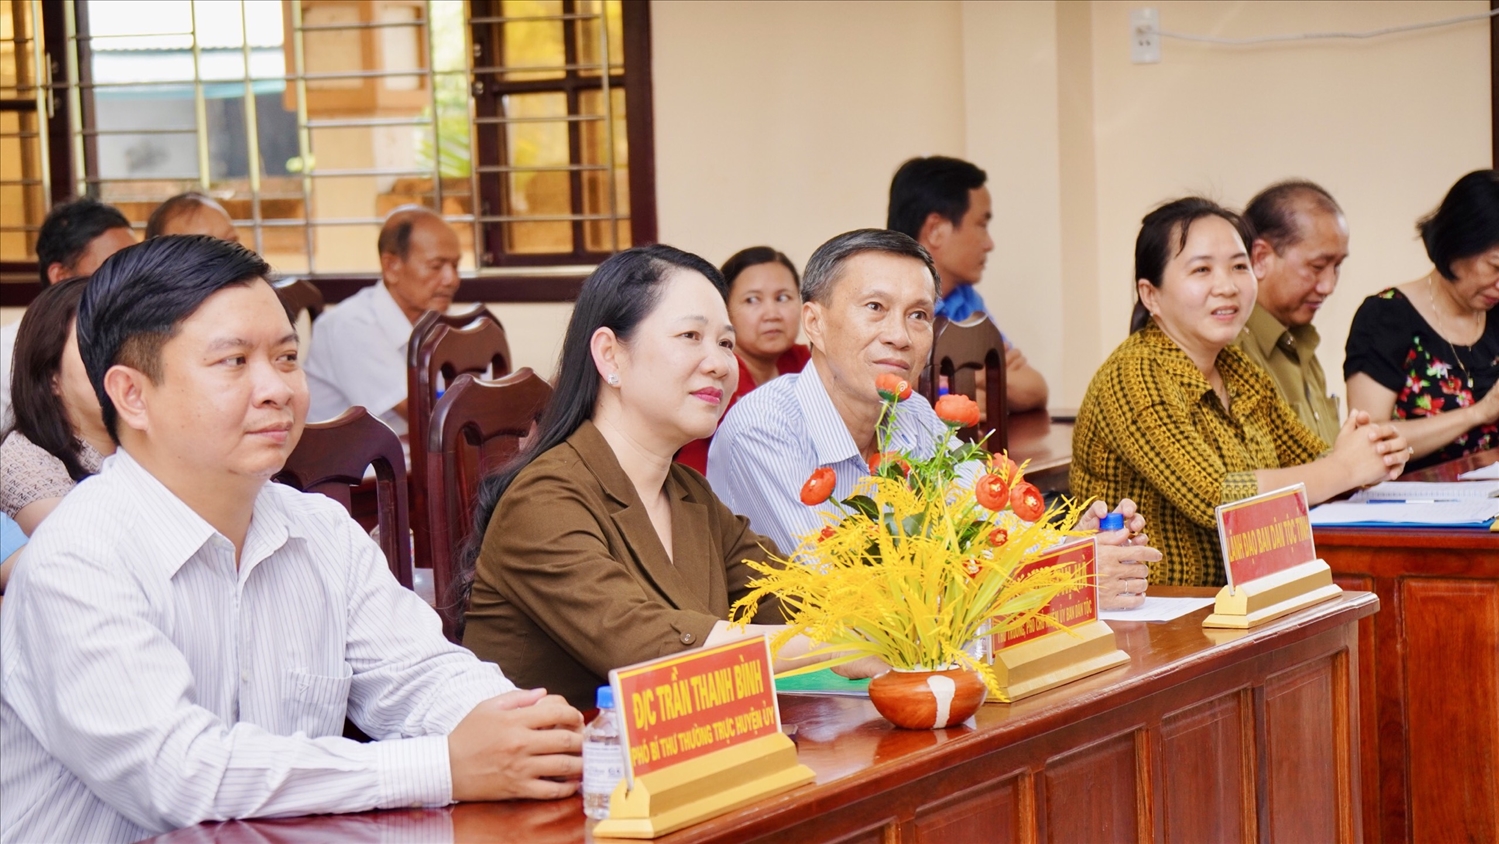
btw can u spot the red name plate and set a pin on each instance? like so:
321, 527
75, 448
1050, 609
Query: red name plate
1265, 534
1069, 608
681, 707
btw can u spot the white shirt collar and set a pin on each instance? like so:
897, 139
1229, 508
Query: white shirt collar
389, 317
185, 532
829, 433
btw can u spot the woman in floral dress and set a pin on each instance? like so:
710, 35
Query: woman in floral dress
1425, 353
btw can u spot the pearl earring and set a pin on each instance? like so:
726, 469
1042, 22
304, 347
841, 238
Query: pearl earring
613, 379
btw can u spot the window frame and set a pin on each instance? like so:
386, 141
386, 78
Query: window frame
489, 88
19, 280
509, 278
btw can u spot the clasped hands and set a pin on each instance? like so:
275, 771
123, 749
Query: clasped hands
1370, 451
524, 744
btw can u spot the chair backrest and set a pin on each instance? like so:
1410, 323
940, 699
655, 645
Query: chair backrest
477, 426
331, 458
961, 351
298, 295
443, 347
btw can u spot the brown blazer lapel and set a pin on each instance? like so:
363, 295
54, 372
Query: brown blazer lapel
634, 523
693, 549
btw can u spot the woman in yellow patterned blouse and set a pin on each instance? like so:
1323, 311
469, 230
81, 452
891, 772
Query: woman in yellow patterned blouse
1179, 420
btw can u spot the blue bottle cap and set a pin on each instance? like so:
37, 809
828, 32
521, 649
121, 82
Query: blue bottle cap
604, 697
1113, 521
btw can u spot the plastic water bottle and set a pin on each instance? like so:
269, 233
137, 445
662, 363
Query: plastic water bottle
603, 757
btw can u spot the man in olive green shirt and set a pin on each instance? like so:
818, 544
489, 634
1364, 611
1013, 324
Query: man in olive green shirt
1300, 243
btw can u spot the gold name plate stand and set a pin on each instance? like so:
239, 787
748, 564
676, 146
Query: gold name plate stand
1054, 659
1270, 597
698, 789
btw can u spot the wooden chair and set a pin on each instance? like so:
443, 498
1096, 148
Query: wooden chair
298, 295
960, 352
443, 347
331, 459
477, 426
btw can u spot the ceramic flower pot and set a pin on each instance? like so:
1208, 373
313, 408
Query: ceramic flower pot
927, 700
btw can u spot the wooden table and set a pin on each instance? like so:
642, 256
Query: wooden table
1429, 673
1206, 735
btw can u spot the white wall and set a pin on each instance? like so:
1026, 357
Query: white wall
782, 123
1386, 125
535, 331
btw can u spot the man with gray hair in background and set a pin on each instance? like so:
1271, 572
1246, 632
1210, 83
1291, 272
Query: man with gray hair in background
1300, 243
867, 303
357, 355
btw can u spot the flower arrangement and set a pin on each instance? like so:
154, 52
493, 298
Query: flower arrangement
921, 560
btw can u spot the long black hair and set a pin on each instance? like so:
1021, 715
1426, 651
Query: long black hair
1163, 235
40, 340
619, 295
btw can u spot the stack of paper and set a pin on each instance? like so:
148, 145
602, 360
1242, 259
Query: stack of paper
1472, 512
1416, 492
1157, 609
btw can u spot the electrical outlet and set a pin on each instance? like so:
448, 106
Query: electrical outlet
1144, 36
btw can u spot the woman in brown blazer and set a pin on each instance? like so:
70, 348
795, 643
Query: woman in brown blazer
597, 550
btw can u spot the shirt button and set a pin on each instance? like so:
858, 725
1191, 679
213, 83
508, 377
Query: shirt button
688, 638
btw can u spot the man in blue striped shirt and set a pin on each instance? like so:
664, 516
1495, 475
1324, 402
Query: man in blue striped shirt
868, 298
867, 307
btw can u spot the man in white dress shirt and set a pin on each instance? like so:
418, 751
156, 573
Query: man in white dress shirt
867, 307
182, 638
74, 240
357, 355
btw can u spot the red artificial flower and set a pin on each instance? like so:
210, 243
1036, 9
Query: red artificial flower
1002, 465
891, 457
957, 409
1027, 501
972, 567
892, 387
827, 533
998, 537
818, 487
991, 491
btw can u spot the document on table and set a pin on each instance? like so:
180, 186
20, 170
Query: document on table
1489, 472
1417, 491
1157, 609
1466, 513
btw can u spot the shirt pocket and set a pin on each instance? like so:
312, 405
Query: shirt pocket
318, 703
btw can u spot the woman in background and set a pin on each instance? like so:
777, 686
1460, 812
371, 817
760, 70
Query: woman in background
596, 549
59, 436
1426, 354
765, 306
1180, 420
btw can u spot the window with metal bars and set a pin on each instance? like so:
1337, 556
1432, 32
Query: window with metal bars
26, 113
309, 120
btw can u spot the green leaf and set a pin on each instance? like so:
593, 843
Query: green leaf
863, 504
